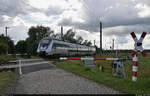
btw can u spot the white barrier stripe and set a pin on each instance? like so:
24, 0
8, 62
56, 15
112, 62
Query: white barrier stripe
135, 68
140, 40
20, 70
135, 39
63, 58
112, 58
134, 78
135, 58
22, 65
141, 49
87, 58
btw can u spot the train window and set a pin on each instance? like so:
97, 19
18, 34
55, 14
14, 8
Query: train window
45, 42
59, 45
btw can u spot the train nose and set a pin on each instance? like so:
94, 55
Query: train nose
42, 53
43, 48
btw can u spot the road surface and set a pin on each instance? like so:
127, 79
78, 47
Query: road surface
52, 80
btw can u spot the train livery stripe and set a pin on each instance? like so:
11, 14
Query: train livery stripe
79, 51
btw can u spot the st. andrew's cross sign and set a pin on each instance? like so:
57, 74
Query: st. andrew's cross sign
137, 48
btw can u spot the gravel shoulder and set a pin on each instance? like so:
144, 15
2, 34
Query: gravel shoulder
58, 81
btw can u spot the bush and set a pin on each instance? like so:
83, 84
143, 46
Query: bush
3, 48
3, 59
6, 59
87, 69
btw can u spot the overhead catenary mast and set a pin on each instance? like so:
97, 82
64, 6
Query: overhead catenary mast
100, 37
62, 33
113, 44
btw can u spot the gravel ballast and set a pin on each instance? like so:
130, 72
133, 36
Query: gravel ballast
58, 81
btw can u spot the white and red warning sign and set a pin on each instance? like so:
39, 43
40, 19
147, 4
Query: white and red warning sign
137, 47
138, 44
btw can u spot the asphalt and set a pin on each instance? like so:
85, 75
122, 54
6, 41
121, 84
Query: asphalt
48, 79
33, 68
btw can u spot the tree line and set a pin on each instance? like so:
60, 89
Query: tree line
35, 34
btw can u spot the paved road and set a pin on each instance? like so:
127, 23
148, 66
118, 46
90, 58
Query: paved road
57, 81
23, 65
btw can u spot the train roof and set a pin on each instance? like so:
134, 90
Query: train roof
64, 41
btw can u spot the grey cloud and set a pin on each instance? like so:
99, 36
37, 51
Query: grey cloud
4, 22
53, 10
112, 13
121, 40
126, 30
15, 7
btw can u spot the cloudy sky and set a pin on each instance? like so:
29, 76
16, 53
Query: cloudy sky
119, 18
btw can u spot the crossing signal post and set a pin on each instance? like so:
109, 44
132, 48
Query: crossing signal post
137, 48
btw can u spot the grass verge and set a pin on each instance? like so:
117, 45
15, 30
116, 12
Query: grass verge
7, 80
4, 59
141, 86
30, 57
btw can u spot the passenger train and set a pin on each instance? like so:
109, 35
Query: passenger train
49, 46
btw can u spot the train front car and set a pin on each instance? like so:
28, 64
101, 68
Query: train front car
43, 46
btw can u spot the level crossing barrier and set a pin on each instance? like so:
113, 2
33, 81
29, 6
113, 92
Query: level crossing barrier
137, 48
91, 58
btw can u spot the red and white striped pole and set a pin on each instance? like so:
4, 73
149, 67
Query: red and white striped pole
134, 67
137, 47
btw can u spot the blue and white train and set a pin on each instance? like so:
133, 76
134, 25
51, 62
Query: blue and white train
49, 46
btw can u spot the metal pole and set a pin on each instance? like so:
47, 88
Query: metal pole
6, 39
61, 33
94, 42
134, 67
100, 37
113, 44
20, 71
6, 30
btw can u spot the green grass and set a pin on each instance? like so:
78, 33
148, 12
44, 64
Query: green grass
4, 59
7, 80
141, 86
30, 57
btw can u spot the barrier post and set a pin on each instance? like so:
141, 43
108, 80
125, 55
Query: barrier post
20, 71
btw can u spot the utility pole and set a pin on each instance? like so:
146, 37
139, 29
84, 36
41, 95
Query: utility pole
94, 42
6, 30
6, 38
113, 44
62, 33
101, 38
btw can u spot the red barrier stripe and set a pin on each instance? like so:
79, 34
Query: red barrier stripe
99, 58
144, 53
134, 74
143, 34
133, 34
70, 58
135, 63
133, 53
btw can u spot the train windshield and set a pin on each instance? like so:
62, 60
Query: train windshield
45, 43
